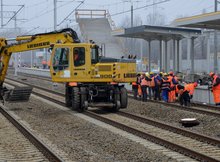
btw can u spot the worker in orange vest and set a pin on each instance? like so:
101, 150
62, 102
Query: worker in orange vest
44, 63
135, 86
190, 87
183, 95
165, 87
173, 81
144, 85
215, 88
152, 85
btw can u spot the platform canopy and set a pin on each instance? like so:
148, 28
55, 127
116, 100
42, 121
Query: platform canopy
148, 32
208, 21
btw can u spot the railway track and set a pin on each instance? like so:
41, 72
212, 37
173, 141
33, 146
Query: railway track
188, 143
48, 154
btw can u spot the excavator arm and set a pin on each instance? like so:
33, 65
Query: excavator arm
27, 43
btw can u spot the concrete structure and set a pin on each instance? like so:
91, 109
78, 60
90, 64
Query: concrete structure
162, 34
96, 25
206, 21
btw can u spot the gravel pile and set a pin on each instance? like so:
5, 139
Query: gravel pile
81, 140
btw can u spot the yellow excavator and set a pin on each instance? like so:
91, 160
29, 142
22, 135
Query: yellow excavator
91, 80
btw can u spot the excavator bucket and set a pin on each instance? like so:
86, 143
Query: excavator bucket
18, 94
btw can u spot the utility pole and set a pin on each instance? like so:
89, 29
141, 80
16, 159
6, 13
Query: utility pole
216, 43
132, 22
1, 13
16, 55
55, 14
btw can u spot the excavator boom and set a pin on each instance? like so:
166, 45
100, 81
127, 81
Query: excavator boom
27, 43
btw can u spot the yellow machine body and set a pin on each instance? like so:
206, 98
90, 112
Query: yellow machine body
95, 78
89, 70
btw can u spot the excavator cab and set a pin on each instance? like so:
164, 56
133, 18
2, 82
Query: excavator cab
71, 63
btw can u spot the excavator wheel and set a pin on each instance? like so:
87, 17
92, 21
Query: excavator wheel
75, 98
83, 99
123, 97
117, 100
68, 96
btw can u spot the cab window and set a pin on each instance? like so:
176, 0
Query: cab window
61, 59
79, 56
94, 55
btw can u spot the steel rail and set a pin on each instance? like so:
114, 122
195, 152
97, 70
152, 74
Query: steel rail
193, 135
172, 146
51, 156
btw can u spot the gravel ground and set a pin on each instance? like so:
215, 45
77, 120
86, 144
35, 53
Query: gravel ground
14, 146
209, 125
81, 140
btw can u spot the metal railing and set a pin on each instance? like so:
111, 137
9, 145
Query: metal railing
87, 13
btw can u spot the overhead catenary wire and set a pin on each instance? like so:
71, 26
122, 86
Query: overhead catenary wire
81, 2
138, 8
51, 10
14, 15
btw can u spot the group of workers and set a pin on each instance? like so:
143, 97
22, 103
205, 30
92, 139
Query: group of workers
166, 87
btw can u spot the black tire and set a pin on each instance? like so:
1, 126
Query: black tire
124, 97
83, 99
116, 100
75, 98
68, 96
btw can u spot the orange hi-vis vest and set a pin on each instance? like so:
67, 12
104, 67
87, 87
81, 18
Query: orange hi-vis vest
171, 82
144, 82
214, 81
44, 62
190, 88
148, 83
216, 90
134, 83
152, 83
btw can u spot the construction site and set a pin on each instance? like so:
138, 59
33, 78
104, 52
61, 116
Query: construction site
109, 81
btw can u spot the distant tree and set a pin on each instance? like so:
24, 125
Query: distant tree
131, 46
156, 19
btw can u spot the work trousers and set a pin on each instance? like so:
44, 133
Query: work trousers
185, 99
135, 91
150, 92
157, 93
165, 95
144, 93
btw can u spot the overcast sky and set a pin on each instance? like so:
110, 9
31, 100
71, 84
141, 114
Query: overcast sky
39, 13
